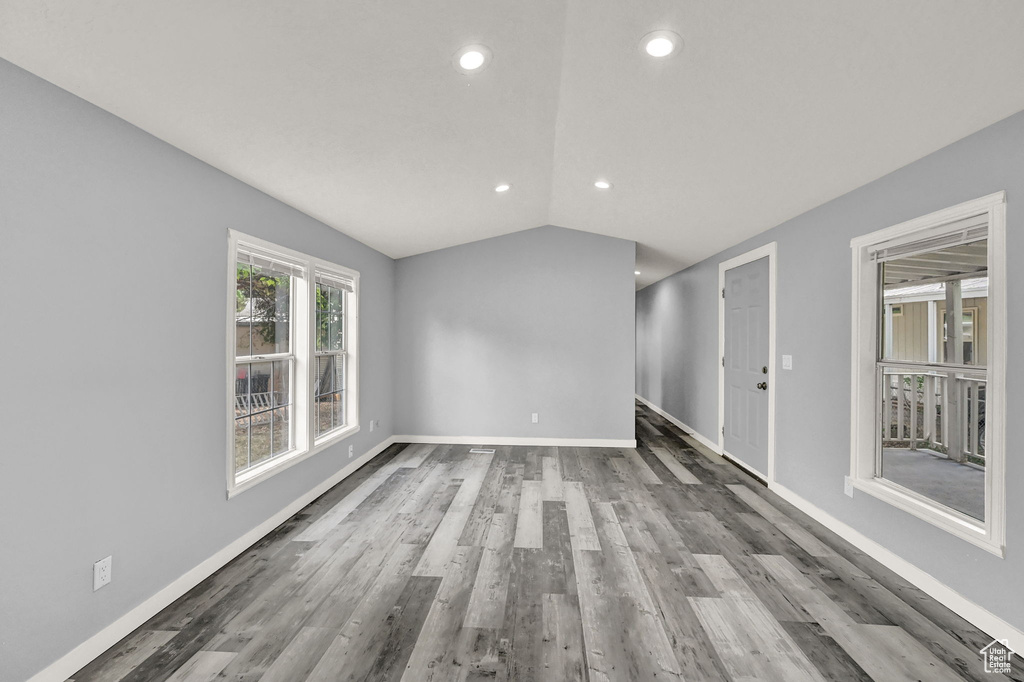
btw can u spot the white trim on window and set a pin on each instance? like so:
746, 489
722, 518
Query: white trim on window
771, 252
864, 405
303, 344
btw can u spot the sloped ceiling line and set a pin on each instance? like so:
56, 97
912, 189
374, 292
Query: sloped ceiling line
352, 112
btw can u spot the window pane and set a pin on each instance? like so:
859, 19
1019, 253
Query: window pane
330, 384
339, 409
321, 316
968, 324
260, 401
259, 386
325, 375
933, 436
332, 331
263, 411
281, 432
259, 438
335, 335
243, 310
330, 318
281, 398
242, 389
918, 289
933, 419
281, 381
271, 310
241, 443
324, 413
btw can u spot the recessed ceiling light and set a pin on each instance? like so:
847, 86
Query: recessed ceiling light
660, 43
656, 47
502, 188
471, 59
636, 272
603, 184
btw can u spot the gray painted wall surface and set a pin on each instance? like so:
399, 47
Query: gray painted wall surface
536, 321
113, 252
677, 353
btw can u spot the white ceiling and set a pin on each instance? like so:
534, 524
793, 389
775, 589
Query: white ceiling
351, 110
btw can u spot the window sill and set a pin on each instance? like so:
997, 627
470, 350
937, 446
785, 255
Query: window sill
334, 437
964, 527
275, 466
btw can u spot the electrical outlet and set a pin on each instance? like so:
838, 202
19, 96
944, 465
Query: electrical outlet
787, 362
351, 450
848, 486
535, 418
101, 572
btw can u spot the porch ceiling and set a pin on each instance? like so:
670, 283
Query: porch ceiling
953, 263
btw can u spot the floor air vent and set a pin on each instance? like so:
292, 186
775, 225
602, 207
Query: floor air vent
482, 451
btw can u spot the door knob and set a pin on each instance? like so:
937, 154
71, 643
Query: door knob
763, 385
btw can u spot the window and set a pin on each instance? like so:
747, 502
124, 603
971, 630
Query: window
292, 339
969, 315
264, 361
331, 355
928, 392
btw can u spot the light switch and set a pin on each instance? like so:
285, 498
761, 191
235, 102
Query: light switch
787, 362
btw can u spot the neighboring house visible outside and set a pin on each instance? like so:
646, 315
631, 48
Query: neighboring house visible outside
917, 316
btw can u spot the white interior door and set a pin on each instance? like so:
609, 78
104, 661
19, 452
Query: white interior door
746, 364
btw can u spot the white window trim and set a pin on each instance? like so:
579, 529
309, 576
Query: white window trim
304, 344
864, 409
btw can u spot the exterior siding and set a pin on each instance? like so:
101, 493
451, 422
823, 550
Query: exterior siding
910, 333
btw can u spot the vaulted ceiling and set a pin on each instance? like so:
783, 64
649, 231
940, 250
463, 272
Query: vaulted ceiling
352, 112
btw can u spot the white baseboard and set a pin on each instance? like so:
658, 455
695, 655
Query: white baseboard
90, 649
984, 620
746, 467
706, 442
507, 440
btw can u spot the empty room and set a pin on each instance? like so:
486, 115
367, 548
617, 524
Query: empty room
544, 341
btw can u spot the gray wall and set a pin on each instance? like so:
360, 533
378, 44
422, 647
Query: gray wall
536, 321
677, 353
113, 251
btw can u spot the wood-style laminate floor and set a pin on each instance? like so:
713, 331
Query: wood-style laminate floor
539, 563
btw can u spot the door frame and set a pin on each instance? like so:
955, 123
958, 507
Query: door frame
771, 251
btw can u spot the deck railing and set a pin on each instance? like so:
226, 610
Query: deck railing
972, 397
918, 409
